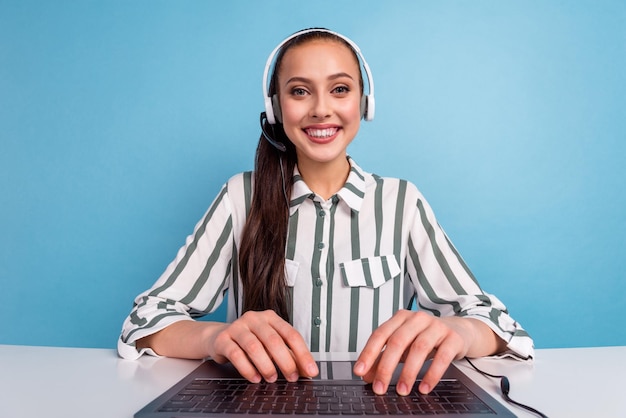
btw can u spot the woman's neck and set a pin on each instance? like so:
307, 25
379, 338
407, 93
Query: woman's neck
325, 179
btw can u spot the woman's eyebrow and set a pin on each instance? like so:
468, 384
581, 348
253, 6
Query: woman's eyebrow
298, 79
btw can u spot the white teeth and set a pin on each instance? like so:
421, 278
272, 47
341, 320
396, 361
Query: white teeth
321, 133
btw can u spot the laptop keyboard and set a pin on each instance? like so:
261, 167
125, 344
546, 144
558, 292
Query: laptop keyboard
319, 398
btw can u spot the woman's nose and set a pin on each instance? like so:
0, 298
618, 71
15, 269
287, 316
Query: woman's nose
320, 108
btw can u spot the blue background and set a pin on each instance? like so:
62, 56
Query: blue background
119, 122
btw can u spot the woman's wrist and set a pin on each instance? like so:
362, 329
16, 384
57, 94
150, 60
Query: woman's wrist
479, 337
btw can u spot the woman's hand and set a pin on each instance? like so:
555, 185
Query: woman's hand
414, 337
259, 343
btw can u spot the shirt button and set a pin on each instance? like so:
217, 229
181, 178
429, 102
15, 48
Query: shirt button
320, 245
317, 321
319, 282
322, 213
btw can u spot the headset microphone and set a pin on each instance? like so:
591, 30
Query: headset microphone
269, 137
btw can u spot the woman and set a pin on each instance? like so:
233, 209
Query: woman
319, 255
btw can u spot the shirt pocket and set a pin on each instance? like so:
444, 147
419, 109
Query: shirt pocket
370, 272
291, 272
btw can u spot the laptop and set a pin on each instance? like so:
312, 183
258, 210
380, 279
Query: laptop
214, 390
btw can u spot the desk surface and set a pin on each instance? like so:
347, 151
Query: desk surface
37, 381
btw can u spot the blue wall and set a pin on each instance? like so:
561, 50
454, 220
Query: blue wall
119, 121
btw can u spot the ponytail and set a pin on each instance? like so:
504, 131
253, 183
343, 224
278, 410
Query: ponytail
262, 248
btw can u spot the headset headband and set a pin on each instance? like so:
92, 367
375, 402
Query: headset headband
272, 108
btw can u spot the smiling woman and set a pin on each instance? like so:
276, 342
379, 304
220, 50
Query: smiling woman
318, 254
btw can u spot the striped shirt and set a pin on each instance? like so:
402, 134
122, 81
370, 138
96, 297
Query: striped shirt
352, 261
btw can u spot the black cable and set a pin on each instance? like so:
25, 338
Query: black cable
505, 387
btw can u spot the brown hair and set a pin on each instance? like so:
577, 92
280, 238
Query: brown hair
262, 248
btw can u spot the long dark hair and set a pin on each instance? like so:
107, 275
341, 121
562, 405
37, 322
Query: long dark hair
262, 248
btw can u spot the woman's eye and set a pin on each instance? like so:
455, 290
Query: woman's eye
298, 92
341, 90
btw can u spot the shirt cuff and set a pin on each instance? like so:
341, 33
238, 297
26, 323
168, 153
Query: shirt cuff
129, 351
519, 347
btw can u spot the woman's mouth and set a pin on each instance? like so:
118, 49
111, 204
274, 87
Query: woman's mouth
321, 135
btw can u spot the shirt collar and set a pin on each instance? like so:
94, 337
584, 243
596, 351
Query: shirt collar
352, 192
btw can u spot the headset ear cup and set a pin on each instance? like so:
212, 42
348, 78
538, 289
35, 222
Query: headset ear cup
276, 109
367, 107
370, 108
269, 111
363, 106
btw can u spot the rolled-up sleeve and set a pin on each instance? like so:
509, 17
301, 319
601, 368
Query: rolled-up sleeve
445, 285
194, 283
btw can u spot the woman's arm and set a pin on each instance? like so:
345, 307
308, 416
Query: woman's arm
182, 339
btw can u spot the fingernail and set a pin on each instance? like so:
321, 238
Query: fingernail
359, 368
293, 377
402, 389
378, 387
312, 370
424, 388
256, 378
272, 378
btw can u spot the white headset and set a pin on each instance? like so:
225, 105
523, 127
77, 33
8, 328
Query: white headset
272, 105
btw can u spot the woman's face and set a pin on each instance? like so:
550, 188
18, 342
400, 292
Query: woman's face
320, 97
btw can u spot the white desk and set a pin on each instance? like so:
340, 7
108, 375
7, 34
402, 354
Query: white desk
37, 381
